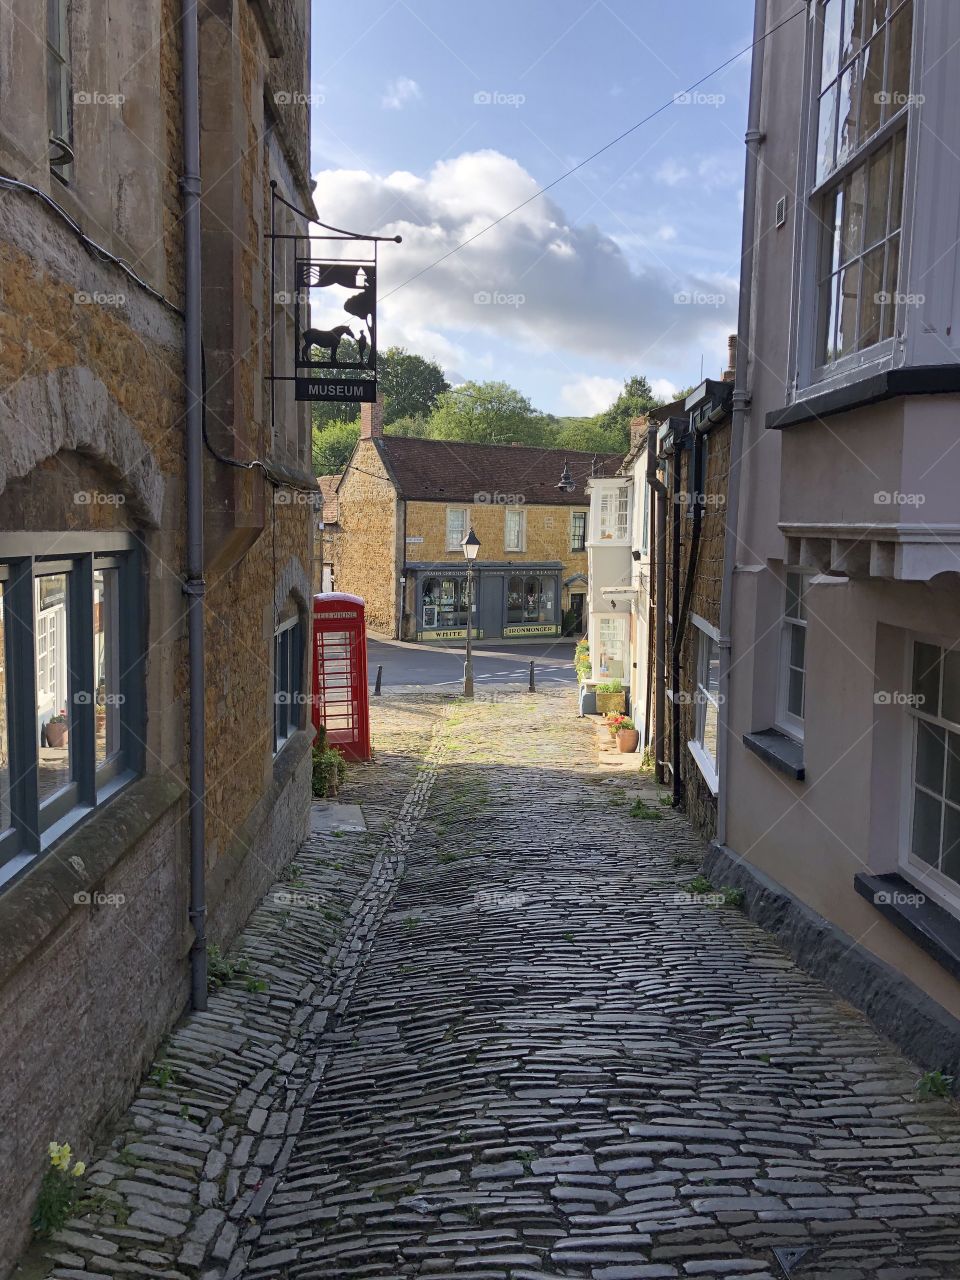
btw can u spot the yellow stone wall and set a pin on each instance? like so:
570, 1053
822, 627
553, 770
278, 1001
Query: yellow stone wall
366, 560
548, 535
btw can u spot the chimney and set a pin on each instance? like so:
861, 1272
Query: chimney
371, 419
731, 370
638, 430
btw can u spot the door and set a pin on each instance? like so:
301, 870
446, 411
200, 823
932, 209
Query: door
577, 599
489, 615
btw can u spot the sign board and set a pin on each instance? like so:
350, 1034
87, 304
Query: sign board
459, 633
338, 390
336, 328
534, 629
414, 539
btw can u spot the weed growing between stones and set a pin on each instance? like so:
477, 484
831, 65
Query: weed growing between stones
934, 1084
641, 809
59, 1190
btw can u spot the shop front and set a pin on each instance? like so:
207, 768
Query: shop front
512, 602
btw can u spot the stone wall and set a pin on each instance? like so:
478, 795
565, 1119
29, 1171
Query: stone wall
366, 561
699, 801
91, 369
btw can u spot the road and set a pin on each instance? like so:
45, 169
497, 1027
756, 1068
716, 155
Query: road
417, 664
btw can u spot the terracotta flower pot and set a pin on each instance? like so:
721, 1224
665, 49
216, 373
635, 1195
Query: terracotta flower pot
56, 734
628, 740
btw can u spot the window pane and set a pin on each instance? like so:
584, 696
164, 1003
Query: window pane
515, 600
926, 677
850, 31
826, 133
712, 681
950, 859
891, 286
106, 660
795, 693
831, 41
854, 199
950, 709
847, 113
879, 197
710, 730
831, 218
871, 300
898, 71
930, 753
896, 193
4, 740
952, 790
847, 317
794, 606
872, 93
827, 319
798, 637
926, 827
874, 12
50, 607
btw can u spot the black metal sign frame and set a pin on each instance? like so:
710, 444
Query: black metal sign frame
335, 364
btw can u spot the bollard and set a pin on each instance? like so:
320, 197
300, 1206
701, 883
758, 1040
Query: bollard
533, 683
376, 687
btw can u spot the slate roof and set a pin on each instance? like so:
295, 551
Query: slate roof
450, 471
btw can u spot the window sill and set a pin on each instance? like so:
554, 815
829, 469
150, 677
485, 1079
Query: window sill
777, 750
34, 905
706, 766
922, 380
929, 925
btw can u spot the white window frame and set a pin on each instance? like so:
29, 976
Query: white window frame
586, 521
927, 877
696, 746
810, 373
455, 543
614, 514
520, 516
790, 723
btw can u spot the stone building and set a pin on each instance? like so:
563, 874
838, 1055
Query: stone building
328, 529
404, 507
95, 930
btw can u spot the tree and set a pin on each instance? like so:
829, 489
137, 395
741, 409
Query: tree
332, 447
585, 436
410, 384
634, 400
490, 413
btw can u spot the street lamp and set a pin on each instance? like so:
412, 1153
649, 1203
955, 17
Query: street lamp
567, 484
471, 545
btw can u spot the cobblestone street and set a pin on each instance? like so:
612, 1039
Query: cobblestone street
500, 1039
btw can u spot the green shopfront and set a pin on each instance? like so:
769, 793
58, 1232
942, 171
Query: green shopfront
511, 601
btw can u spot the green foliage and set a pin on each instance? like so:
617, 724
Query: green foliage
221, 970
625, 723
162, 1075
610, 686
585, 435
934, 1084
333, 445
59, 1190
410, 384
634, 400
641, 809
488, 413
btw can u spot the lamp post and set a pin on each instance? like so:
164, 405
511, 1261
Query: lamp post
471, 545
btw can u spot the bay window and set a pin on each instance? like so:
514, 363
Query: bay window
71, 706
615, 514
863, 89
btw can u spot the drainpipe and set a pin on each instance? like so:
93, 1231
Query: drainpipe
194, 585
741, 399
676, 524
659, 492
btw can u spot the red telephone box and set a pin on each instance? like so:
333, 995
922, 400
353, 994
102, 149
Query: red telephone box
341, 699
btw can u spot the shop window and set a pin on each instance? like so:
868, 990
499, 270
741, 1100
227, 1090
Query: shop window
578, 530
444, 603
71, 719
612, 655
288, 655
932, 847
531, 599
515, 529
456, 527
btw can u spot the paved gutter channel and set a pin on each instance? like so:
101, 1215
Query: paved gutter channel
198, 1155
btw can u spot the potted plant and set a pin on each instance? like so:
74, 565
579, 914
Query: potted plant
611, 696
581, 660
56, 730
628, 736
615, 722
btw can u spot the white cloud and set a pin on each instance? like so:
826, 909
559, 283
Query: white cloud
671, 173
664, 389
399, 92
667, 233
587, 395
535, 281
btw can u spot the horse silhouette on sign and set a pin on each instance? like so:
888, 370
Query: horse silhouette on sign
326, 340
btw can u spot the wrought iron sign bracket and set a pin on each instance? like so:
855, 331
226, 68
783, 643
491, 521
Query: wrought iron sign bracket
330, 313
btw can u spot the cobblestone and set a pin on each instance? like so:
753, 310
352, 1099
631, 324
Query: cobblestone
512, 1047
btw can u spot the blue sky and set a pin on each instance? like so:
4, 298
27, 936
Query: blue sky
432, 117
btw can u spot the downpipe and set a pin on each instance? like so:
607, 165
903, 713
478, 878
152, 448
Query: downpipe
194, 586
741, 401
659, 491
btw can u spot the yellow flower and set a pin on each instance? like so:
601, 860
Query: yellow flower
79, 1169
63, 1157
54, 1150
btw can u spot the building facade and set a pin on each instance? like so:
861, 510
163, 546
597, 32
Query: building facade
96, 911
839, 806
405, 506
